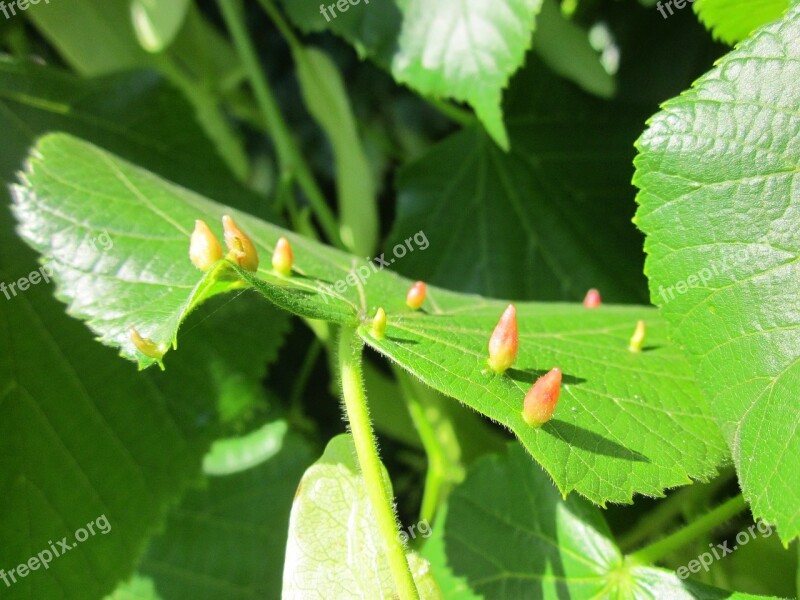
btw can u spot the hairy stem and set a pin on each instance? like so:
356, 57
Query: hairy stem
288, 152
355, 401
658, 550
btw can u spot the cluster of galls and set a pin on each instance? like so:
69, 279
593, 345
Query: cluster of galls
205, 252
205, 249
540, 401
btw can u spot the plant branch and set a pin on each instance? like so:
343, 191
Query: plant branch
288, 152
209, 115
440, 443
658, 550
355, 401
453, 112
693, 497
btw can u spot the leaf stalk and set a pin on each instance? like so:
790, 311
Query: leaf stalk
355, 402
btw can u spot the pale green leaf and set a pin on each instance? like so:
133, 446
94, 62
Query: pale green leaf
733, 20
466, 51
157, 22
334, 543
234, 455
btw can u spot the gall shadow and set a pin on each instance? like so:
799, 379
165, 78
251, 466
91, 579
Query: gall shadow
591, 441
531, 375
651, 348
401, 340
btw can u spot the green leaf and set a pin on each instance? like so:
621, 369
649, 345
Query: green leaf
733, 20
326, 98
234, 455
332, 510
112, 45
507, 534
136, 115
137, 588
521, 224
37, 99
471, 435
157, 22
564, 47
199, 61
627, 423
83, 434
465, 51
227, 540
718, 176
89, 459
371, 26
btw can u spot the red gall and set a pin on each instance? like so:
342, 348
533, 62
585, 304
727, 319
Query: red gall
504, 343
204, 247
242, 250
282, 257
541, 399
416, 295
592, 299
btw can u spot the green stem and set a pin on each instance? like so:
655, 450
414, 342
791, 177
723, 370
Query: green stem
440, 443
288, 152
455, 113
296, 414
655, 552
209, 115
355, 401
281, 24
682, 502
